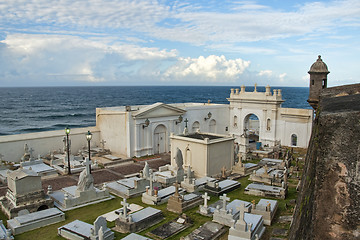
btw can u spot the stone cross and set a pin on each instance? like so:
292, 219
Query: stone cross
186, 122
225, 199
87, 164
241, 210
102, 142
206, 198
125, 207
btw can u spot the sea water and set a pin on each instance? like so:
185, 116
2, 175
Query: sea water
26, 110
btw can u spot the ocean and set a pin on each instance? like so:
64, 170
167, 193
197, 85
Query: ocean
26, 110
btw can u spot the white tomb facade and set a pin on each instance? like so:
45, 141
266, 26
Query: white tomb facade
145, 129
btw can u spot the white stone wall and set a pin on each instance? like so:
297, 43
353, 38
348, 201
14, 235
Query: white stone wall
12, 146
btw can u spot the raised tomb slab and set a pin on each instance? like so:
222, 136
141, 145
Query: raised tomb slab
258, 189
220, 187
79, 230
81, 195
139, 220
28, 222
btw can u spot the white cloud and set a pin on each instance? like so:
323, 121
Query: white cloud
207, 69
243, 21
282, 77
72, 58
265, 73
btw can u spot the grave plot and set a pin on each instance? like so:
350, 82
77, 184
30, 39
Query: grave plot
171, 228
208, 231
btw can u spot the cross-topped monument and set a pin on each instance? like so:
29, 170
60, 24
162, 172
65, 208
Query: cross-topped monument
224, 198
102, 142
241, 222
87, 164
125, 207
206, 198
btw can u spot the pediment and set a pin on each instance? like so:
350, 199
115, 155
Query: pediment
158, 110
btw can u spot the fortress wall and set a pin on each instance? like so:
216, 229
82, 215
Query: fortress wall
12, 146
328, 203
341, 90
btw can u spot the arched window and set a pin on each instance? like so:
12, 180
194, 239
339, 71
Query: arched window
235, 121
268, 122
293, 140
195, 126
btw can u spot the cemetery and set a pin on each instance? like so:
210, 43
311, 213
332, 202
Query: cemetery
203, 185
206, 207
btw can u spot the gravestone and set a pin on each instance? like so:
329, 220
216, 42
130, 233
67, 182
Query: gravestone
258, 189
220, 187
229, 213
171, 228
24, 192
204, 209
207, 231
27, 222
248, 226
139, 220
82, 230
81, 195
134, 236
244, 169
179, 203
267, 208
270, 176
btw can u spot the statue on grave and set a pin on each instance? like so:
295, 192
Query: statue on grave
179, 159
26, 156
86, 180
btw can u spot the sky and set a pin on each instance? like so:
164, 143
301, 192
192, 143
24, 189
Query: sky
210, 42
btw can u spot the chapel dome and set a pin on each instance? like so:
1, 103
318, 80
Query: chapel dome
319, 67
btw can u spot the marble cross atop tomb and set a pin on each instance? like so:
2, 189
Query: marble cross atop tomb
102, 142
224, 198
125, 207
206, 198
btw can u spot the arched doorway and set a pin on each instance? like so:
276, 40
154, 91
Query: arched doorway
212, 126
294, 140
252, 128
195, 126
160, 139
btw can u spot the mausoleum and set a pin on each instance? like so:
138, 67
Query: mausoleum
24, 192
206, 153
